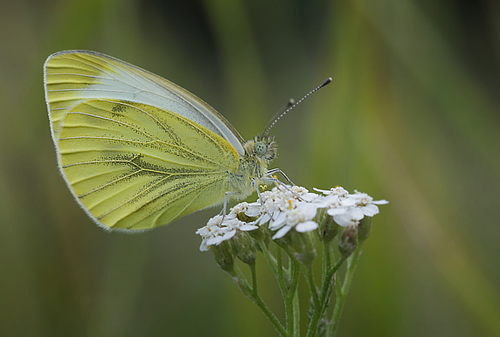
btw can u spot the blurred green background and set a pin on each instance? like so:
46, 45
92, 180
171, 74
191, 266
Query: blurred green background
412, 116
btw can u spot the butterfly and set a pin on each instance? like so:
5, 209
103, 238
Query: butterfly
138, 151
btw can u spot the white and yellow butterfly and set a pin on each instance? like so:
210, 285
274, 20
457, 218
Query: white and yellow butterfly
138, 151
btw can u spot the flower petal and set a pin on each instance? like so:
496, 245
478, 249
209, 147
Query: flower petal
306, 226
278, 222
356, 213
279, 234
322, 191
309, 210
228, 235
336, 211
204, 247
248, 227
344, 220
215, 241
370, 210
264, 218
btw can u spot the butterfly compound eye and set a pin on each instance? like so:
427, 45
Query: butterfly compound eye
260, 148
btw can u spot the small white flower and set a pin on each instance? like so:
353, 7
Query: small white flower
215, 232
349, 209
366, 203
242, 207
287, 208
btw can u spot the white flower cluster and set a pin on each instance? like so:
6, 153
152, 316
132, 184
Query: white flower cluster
290, 207
348, 209
215, 232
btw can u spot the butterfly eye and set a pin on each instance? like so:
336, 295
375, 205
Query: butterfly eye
260, 148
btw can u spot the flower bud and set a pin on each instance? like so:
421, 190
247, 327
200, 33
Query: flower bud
245, 218
243, 247
260, 234
349, 241
364, 228
328, 229
224, 257
302, 245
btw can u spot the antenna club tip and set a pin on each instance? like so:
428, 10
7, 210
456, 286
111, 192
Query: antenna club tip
326, 82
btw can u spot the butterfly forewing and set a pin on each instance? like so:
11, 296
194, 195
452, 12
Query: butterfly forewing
73, 76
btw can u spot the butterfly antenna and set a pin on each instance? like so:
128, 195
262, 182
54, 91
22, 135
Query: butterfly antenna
292, 105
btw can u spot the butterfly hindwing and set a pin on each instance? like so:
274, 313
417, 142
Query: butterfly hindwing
135, 166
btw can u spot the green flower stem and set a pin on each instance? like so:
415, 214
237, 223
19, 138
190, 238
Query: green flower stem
290, 317
274, 264
241, 279
287, 282
291, 302
280, 264
327, 260
352, 262
326, 286
276, 267
254, 280
324, 297
270, 259
272, 318
307, 271
294, 270
312, 286
252, 293
308, 274
296, 314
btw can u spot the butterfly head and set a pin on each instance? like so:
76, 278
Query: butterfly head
263, 147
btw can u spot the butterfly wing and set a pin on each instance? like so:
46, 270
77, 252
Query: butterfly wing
129, 163
77, 75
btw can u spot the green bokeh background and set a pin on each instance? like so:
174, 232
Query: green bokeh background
412, 116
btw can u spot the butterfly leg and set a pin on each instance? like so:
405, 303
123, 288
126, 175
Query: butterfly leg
223, 211
254, 182
224, 207
268, 177
277, 170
